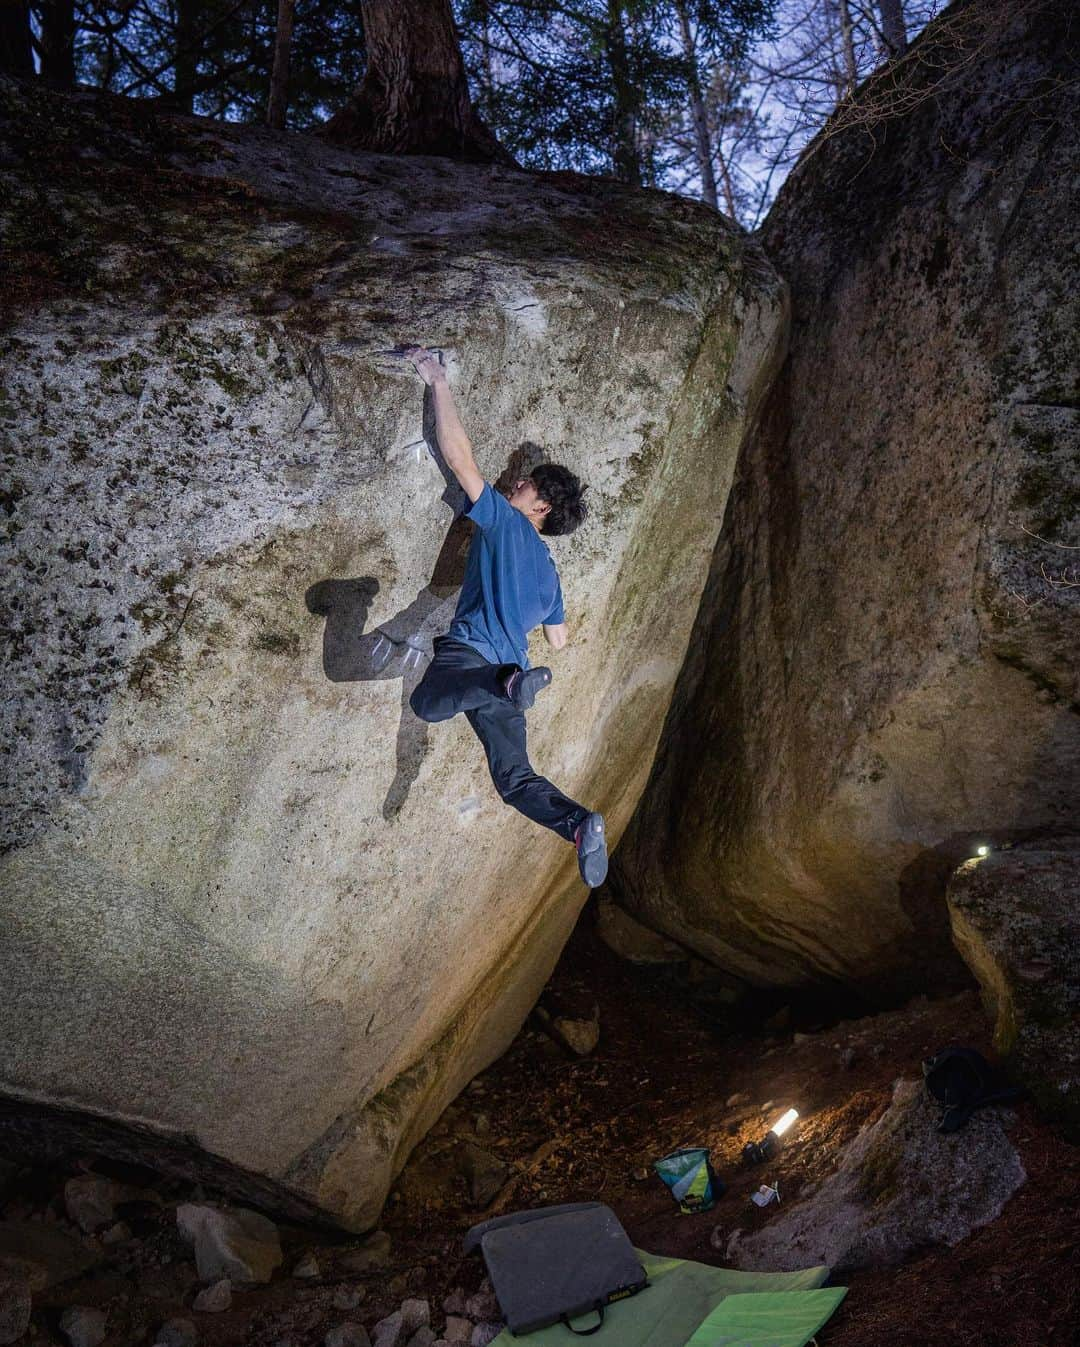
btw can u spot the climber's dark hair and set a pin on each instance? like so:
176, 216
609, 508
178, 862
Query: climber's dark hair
563, 492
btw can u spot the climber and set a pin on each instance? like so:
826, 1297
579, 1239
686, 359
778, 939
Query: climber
481, 665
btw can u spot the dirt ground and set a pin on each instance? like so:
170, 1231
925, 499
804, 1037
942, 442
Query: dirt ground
677, 1064
668, 1062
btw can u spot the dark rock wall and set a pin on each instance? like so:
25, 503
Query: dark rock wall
884, 671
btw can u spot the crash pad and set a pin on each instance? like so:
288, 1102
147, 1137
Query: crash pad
768, 1318
679, 1298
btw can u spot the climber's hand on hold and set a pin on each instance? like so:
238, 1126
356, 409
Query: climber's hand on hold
454, 444
427, 364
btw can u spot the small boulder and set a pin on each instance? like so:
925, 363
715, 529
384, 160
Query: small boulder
414, 1314
582, 1035
388, 1332
15, 1304
1016, 921
347, 1335
484, 1173
348, 1297
82, 1326
457, 1329
307, 1268
90, 1201
214, 1299
901, 1185
119, 1233
373, 1253
483, 1305
239, 1244
484, 1333
454, 1302
423, 1337
177, 1333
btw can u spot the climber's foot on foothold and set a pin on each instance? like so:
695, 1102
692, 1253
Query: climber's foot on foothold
591, 846
522, 685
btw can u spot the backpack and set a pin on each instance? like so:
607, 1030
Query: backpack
961, 1080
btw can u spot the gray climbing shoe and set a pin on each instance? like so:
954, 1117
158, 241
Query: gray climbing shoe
591, 846
523, 684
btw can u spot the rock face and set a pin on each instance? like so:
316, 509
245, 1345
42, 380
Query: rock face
1016, 921
248, 898
900, 1187
884, 672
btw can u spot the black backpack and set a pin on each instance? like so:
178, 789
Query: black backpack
962, 1080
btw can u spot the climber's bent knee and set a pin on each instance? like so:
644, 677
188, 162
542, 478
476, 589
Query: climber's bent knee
424, 706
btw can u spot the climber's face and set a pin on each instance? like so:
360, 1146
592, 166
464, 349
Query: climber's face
525, 497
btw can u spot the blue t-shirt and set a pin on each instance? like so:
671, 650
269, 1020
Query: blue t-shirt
510, 585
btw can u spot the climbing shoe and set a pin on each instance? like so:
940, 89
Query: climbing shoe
522, 685
591, 846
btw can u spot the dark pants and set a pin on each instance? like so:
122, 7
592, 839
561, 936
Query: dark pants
459, 678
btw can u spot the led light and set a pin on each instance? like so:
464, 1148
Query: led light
785, 1122
754, 1152
982, 851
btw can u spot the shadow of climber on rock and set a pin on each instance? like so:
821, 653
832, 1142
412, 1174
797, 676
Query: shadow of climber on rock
401, 646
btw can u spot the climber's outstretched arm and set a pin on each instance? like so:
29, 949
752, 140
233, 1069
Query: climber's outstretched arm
454, 444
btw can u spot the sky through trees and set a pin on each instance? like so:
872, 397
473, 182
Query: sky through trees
710, 98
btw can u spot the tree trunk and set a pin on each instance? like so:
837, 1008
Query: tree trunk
729, 187
625, 157
847, 43
279, 77
16, 52
186, 57
893, 28
414, 98
58, 43
697, 111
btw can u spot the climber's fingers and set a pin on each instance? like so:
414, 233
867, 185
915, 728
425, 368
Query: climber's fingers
427, 363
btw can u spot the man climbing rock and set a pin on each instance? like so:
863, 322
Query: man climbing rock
481, 666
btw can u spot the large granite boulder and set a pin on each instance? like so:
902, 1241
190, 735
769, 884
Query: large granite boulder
900, 1187
1016, 921
248, 900
884, 672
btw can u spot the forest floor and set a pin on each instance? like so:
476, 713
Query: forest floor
675, 1066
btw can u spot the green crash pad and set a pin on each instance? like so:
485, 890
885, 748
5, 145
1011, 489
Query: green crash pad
680, 1298
768, 1318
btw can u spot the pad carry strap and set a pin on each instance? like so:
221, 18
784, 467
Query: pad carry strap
587, 1332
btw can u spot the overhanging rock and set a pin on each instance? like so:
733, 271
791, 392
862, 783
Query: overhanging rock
249, 900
